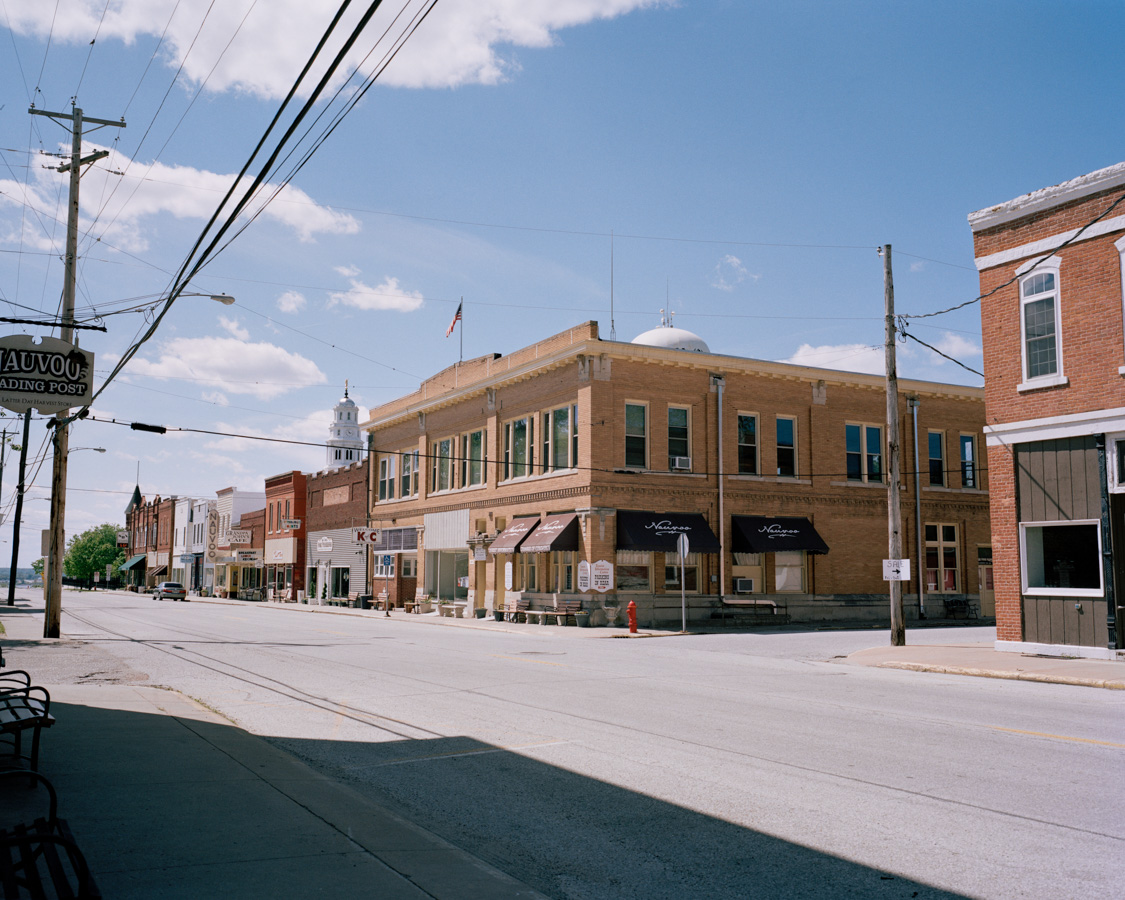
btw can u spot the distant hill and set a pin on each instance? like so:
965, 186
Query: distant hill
27, 574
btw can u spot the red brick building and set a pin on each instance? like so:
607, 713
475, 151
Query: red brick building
1051, 274
337, 567
285, 535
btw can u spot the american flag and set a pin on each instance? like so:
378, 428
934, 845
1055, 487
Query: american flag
456, 319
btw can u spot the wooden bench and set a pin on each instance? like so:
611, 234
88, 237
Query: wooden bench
23, 707
564, 609
514, 609
39, 858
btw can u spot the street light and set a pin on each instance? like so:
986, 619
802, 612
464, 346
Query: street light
225, 299
95, 449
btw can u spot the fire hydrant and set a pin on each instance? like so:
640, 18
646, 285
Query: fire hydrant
631, 610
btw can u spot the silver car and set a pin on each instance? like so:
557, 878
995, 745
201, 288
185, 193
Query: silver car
172, 589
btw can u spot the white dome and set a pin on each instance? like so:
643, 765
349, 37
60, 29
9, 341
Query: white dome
348, 402
672, 339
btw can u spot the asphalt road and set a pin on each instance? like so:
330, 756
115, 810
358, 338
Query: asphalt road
712, 766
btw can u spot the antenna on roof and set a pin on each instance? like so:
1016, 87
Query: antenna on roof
612, 327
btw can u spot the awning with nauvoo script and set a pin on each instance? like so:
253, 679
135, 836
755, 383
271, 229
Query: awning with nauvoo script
769, 534
660, 531
509, 540
554, 533
131, 561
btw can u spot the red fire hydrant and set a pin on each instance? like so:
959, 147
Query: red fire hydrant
631, 610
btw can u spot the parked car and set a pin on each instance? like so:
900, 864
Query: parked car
172, 589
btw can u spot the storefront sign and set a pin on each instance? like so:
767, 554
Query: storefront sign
186, 558
602, 576
291, 524
896, 570
583, 576
324, 545
508, 575
240, 537
365, 535
247, 556
212, 536
50, 376
122, 539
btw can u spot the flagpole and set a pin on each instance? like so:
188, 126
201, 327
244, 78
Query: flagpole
461, 307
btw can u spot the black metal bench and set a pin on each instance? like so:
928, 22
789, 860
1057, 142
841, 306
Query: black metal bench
23, 707
39, 858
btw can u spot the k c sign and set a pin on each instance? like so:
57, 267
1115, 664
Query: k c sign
365, 536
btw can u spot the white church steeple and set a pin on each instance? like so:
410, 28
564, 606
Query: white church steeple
345, 446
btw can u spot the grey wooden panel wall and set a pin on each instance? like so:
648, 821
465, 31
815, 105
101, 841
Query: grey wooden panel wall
1058, 480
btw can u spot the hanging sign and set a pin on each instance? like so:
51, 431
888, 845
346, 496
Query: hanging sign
365, 535
291, 524
50, 376
240, 537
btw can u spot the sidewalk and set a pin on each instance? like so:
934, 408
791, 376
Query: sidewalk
167, 799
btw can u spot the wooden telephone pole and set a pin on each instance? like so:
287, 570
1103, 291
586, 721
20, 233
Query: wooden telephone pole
894, 447
52, 613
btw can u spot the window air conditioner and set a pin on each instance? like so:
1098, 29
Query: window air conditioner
681, 463
744, 585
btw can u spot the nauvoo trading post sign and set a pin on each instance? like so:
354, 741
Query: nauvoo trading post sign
50, 376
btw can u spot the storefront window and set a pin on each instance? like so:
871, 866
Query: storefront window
941, 559
1062, 557
340, 581
562, 564
789, 571
634, 569
529, 565
672, 573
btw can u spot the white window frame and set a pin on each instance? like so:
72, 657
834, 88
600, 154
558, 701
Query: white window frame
1059, 591
1049, 266
633, 558
779, 566
409, 474
386, 478
693, 562
864, 454
508, 472
644, 437
550, 452
930, 459
687, 410
796, 443
1115, 461
940, 543
438, 459
467, 459
1120, 245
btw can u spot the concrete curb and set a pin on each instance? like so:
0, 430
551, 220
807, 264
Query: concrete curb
1108, 684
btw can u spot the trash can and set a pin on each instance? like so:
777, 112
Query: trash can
365, 601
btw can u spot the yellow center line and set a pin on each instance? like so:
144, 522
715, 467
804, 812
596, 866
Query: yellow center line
325, 631
541, 662
1060, 737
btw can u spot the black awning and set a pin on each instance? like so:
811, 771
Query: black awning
660, 531
132, 561
509, 540
554, 533
768, 534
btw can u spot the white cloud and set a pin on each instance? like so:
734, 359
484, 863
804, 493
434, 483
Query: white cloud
730, 271
234, 328
918, 266
150, 190
347, 271
387, 296
461, 42
291, 302
261, 370
848, 357
216, 397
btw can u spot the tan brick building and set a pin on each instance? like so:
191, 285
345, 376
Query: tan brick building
1054, 355
568, 468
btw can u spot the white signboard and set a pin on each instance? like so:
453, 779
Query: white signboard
508, 575
291, 524
122, 539
480, 554
896, 570
365, 535
240, 537
247, 556
583, 576
324, 545
49, 376
682, 546
603, 576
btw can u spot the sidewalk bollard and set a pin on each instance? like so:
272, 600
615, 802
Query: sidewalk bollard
632, 611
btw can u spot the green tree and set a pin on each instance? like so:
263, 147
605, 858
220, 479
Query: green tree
92, 551
37, 567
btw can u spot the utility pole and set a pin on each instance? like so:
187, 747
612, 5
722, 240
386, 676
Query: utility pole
19, 510
52, 613
894, 515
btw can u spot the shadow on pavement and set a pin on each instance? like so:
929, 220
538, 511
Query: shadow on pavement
181, 805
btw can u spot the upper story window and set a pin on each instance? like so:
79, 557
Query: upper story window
636, 436
560, 439
747, 444
409, 477
969, 461
519, 439
863, 445
387, 478
679, 438
1041, 326
936, 441
269, 518
472, 458
942, 562
441, 461
786, 447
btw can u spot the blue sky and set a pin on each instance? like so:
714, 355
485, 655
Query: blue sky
747, 157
